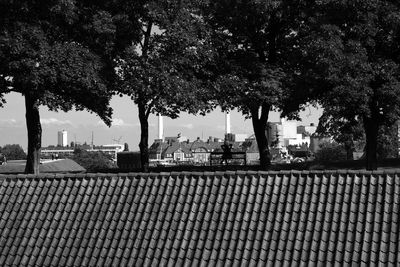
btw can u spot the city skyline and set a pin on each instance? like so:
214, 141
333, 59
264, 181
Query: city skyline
125, 127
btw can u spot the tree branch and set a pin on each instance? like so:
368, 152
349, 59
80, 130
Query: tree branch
146, 41
150, 106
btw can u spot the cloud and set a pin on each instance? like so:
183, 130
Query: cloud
11, 123
8, 121
54, 121
187, 126
116, 122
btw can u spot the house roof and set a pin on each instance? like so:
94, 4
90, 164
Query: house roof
232, 218
54, 166
176, 146
198, 144
158, 147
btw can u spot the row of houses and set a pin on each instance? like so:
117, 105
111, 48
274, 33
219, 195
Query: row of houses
174, 150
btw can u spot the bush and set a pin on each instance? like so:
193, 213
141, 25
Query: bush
93, 161
330, 151
13, 152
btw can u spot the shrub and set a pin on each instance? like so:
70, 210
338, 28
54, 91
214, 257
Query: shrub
93, 161
330, 151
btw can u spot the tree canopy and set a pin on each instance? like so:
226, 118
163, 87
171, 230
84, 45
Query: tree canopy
44, 54
163, 71
57, 54
254, 41
352, 57
13, 152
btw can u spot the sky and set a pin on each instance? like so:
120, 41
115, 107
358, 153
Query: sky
125, 127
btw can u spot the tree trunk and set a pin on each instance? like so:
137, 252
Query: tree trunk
259, 126
349, 147
34, 134
144, 138
371, 127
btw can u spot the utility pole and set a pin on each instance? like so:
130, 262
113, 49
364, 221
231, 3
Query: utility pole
92, 141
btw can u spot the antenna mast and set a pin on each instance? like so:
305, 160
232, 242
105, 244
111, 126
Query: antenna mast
92, 140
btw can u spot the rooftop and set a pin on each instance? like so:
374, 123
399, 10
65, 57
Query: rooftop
221, 218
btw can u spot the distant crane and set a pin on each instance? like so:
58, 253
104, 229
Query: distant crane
117, 140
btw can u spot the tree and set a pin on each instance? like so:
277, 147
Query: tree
344, 132
13, 152
388, 142
163, 71
352, 57
254, 40
56, 54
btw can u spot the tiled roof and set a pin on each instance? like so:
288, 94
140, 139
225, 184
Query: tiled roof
176, 146
199, 144
158, 147
207, 219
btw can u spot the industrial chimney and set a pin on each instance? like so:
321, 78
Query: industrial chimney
227, 122
160, 127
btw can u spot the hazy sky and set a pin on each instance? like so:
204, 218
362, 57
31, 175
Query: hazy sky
125, 128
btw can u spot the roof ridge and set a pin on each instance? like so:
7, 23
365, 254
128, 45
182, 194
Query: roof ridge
44, 176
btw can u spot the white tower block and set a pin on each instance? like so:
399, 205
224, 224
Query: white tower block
160, 127
62, 138
227, 122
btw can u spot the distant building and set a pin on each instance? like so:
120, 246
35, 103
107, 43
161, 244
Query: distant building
62, 139
178, 152
230, 137
198, 151
307, 129
286, 133
172, 150
201, 151
53, 152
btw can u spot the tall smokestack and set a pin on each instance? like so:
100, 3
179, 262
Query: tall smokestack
160, 127
227, 122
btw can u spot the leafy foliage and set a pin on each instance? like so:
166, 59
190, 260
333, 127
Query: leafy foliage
13, 152
351, 59
164, 71
388, 142
60, 54
254, 41
40, 56
345, 132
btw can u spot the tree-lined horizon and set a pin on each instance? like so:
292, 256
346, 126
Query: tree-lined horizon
172, 55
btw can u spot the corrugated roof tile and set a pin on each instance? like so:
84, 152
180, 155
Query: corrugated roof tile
243, 218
